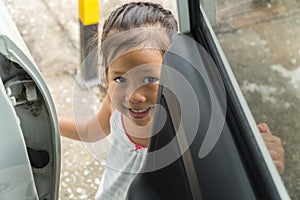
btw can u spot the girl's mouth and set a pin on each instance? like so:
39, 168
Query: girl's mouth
139, 113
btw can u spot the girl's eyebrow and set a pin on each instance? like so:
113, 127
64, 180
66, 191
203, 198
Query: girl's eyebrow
117, 73
138, 70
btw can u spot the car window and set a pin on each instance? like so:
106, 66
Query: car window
261, 42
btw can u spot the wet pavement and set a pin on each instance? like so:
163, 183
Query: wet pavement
264, 55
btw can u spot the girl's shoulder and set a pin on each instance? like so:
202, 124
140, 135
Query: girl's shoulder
114, 114
115, 117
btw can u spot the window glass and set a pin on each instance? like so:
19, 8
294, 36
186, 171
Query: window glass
261, 42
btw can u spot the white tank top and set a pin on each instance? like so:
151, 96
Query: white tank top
124, 161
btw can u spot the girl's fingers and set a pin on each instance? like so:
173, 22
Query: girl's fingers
274, 146
277, 154
271, 138
279, 166
264, 128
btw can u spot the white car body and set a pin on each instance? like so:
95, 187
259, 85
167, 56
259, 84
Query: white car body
30, 143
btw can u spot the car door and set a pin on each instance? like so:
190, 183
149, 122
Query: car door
30, 143
209, 146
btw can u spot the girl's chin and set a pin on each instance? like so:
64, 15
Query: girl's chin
143, 123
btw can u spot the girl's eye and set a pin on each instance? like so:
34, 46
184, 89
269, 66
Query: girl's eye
120, 80
150, 80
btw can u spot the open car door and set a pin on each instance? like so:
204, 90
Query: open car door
30, 143
209, 146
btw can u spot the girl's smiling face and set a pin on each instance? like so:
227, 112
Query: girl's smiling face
133, 83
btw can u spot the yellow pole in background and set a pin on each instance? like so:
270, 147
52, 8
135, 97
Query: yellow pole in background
89, 13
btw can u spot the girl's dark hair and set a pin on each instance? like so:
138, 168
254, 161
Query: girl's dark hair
138, 14
136, 25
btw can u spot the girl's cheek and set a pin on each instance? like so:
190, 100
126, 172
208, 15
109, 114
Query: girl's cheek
111, 87
117, 96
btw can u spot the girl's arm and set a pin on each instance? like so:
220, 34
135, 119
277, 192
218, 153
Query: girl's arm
90, 130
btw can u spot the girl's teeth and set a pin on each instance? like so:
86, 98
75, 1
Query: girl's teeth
139, 111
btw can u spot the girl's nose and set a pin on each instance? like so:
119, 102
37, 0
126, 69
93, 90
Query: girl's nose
136, 96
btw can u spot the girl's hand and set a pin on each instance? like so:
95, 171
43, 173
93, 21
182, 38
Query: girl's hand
274, 146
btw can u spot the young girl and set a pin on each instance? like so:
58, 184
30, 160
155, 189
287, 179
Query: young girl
135, 37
